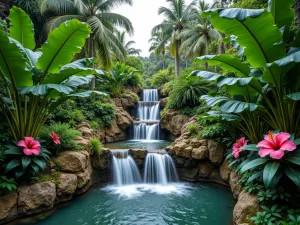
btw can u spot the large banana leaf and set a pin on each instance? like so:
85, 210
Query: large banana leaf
62, 44
77, 81
12, 63
226, 62
21, 28
212, 115
228, 105
76, 68
45, 89
282, 12
253, 29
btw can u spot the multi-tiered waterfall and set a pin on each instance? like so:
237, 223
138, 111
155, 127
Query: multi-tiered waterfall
147, 127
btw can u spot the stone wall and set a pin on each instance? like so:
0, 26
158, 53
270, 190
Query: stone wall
74, 178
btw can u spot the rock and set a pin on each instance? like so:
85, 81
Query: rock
183, 150
225, 171
123, 119
101, 162
116, 101
200, 153
216, 152
84, 142
113, 130
139, 153
196, 143
179, 161
245, 208
36, 198
163, 102
72, 161
84, 178
189, 174
115, 138
173, 121
85, 130
8, 206
233, 182
205, 169
215, 175
189, 163
66, 187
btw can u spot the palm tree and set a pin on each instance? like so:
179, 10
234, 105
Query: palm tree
130, 51
197, 38
177, 18
97, 13
159, 41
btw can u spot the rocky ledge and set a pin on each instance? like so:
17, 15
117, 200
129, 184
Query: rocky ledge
74, 177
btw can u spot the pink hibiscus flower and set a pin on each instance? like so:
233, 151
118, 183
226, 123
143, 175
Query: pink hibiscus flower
275, 145
236, 149
30, 145
55, 137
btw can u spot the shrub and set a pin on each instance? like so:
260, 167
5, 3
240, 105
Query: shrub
193, 128
166, 89
186, 92
162, 77
66, 134
213, 131
7, 184
95, 146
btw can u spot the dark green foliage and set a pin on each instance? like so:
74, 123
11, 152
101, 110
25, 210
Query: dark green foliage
251, 4
66, 134
136, 63
95, 146
162, 77
7, 185
187, 91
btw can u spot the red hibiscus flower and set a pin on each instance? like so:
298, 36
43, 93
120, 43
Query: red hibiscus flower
30, 145
55, 138
236, 149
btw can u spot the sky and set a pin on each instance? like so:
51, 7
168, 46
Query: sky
143, 16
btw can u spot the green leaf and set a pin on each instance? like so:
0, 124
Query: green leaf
294, 96
62, 44
45, 88
250, 147
21, 28
297, 141
77, 81
254, 163
251, 28
213, 115
19, 173
25, 161
12, 164
12, 63
254, 176
40, 163
226, 62
282, 12
76, 68
229, 106
35, 169
14, 151
269, 172
294, 174
294, 158
87, 94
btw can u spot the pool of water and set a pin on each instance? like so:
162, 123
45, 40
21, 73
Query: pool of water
174, 204
140, 144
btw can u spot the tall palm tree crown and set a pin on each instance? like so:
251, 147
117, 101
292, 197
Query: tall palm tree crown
130, 51
177, 18
97, 13
159, 42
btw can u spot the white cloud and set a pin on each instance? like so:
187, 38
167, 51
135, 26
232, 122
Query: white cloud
143, 15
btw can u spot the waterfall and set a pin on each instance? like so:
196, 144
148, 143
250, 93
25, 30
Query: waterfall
159, 168
147, 128
124, 168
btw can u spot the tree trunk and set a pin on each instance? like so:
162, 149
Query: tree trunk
92, 55
223, 48
206, 66
163, 60
297, 11
177, 59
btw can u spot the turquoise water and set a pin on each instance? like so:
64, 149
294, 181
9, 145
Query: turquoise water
150, 145
175, 204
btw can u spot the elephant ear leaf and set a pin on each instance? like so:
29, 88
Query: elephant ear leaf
62, 44
282, 12
21, 27
250, 27
12, 62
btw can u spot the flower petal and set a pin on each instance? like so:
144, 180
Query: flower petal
35, 144
265, 144
236, 154
22, 143
282, 137
265, 151
36, 151
235, 147
288, 146
29, 140
27, 151
277, 154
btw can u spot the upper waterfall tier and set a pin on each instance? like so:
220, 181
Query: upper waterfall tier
148, 110
150, 95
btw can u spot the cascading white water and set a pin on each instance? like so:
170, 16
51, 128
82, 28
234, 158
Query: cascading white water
159, 168
147, 128
124, 168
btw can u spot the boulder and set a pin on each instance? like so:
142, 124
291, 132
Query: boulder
181, 149
196, 143
190, 163
179, 161
36, 198
189, 174
116, 101
139, 153
84, 178
113, 130
225, 171
66, 187
245, 208
233, 182
84, 142
216, 152
200, 152
123, 119
85, 129
72, 161
215, 175
173, 121
115, 138
101, 162
163, 102
205, 169
8, 206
